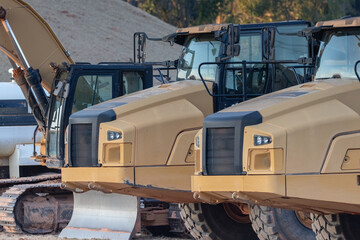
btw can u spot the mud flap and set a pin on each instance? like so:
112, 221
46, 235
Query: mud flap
102, 216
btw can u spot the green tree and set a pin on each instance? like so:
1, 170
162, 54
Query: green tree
248, 11
183, 13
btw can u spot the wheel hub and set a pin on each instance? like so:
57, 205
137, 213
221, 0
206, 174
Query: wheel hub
238, 212
304, 218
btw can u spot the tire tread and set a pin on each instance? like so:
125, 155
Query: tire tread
327, 227
277, 224
195, 222
263, 223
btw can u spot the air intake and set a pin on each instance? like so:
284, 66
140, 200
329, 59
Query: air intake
223, 141
81, 135
220, 151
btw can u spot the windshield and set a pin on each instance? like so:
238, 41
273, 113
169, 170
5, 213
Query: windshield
251, 47
290, 47
287, 47
251, 50
197, 50
339, 50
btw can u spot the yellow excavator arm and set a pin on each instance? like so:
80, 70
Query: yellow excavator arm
24, 32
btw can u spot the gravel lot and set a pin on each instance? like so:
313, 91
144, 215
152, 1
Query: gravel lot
7, 236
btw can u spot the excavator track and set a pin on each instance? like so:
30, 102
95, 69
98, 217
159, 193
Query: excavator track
21, 209
23, 180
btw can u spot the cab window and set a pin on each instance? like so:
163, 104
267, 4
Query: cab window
54, 130
289, 47
91, 90
251, 51
132, 82
197, 50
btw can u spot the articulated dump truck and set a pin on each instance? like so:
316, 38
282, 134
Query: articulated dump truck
295, 149
143, 144
30, 44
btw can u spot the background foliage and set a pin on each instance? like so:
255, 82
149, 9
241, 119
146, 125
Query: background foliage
183, 13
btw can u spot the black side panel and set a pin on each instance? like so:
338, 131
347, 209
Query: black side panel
14, 112
223, 141
12, 107
16, 120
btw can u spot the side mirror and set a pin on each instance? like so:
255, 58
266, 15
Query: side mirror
233, 47
139, 47
272, 44
237, 50
139, 42
268, 42
234, 34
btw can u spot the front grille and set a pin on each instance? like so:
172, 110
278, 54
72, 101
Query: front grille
220, 152
81, 135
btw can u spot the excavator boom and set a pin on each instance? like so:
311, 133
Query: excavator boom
35, 40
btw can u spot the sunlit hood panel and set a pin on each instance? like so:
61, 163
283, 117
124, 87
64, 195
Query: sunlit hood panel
36, 39
158, 95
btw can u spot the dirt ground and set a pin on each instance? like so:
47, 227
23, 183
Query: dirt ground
7, 236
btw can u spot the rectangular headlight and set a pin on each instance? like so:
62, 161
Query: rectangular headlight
261, 140
112, 135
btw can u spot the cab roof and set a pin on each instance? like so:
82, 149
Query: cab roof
182, 34
207, 28
340, 23
321, 27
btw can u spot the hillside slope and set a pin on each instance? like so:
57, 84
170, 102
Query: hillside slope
97, 31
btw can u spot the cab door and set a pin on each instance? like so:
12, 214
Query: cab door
90, 86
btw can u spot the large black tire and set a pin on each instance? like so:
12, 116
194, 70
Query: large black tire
211, 222
278, 224
336, 226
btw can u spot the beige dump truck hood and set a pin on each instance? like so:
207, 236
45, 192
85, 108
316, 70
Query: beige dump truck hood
37, 41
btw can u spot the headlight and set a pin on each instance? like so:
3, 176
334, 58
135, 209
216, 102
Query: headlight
112, 135
197, 142
261, 140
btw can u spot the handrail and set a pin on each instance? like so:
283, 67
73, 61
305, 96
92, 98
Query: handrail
244, 63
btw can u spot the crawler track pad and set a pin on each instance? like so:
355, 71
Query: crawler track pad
102, 216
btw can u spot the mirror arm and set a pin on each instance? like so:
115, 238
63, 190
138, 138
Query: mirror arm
355, 68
